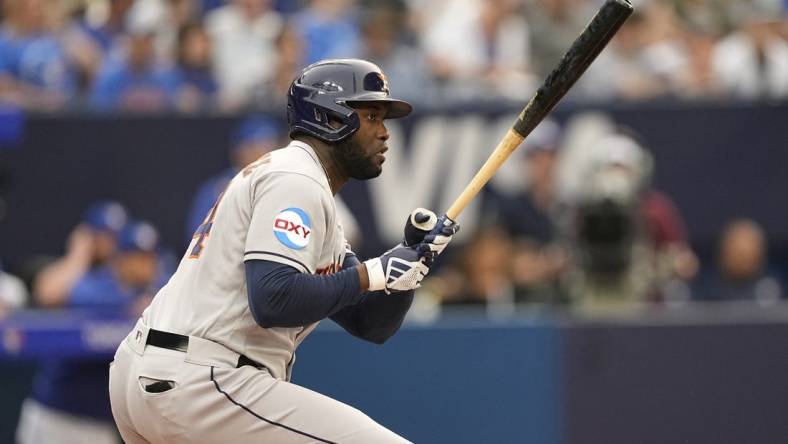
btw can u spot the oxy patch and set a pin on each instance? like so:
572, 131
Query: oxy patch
293, 228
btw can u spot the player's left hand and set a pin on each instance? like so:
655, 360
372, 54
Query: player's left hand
401, 268
438, 238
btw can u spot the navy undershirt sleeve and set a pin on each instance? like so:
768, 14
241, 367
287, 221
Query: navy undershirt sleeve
281, 296
378, 315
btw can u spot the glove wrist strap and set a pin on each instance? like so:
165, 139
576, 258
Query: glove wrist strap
377, 278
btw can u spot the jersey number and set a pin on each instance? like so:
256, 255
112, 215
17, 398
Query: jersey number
204, 230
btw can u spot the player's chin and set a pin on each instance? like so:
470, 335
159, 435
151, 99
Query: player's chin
375, 172
371, 171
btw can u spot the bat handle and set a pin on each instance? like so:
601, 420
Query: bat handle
509, 143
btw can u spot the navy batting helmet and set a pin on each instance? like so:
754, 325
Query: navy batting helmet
328, 90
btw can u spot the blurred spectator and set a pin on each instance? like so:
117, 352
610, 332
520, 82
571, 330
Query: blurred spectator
742, 268
109, 26
752, 62
117, 53
244, 34
538, 259
712, 17
93, 34
70, 400
405, 66
329, 29
290, 56
648, 58
553, 27
167, 17
663, 53
252, 138
479, 275
13, 294
35, 70
480, 48
628, 240
698, 79
137, 82
197, 88
90, 245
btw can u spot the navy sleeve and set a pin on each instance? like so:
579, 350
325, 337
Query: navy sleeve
378, 315
281, 296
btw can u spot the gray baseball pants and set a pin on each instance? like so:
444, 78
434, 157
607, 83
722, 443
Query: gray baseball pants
160, 395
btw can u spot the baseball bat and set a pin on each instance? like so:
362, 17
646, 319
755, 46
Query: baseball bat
573, 64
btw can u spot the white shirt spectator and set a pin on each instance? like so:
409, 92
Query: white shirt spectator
737, 67
244, 50
455, 41
165, 17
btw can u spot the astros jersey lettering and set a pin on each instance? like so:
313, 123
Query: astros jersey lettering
279, 208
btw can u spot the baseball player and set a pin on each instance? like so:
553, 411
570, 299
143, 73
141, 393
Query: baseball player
210, 359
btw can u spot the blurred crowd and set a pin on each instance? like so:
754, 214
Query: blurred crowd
225, 55
590, 233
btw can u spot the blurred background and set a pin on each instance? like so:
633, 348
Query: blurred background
621, 279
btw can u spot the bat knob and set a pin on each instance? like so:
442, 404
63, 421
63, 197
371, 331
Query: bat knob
420, 222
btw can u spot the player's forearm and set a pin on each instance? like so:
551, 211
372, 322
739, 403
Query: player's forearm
363, 276
281, 296
377, 317
53, 285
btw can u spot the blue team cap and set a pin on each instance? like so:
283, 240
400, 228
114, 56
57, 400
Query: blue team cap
255, 129
106, 216
138, 236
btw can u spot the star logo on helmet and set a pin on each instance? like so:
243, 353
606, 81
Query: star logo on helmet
329, 86
385, 82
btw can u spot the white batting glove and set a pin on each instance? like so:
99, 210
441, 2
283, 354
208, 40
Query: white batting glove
400, 269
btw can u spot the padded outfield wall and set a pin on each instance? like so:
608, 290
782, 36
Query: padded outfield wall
700, 375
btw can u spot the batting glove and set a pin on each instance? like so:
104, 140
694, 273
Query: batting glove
436, 241
400, 269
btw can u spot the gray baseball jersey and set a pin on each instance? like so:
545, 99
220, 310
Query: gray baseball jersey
279, 208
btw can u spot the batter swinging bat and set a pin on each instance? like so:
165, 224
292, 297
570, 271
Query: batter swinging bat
573, 64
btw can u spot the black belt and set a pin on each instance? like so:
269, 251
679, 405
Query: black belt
172, 341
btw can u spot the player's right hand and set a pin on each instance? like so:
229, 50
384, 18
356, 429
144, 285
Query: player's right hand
438, 238
400, 269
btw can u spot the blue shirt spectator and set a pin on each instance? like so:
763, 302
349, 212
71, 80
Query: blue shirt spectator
12, 47
197, 86
90, 245
138, 82
38, 61
329, 31
105, 34
120, 87
124, 286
